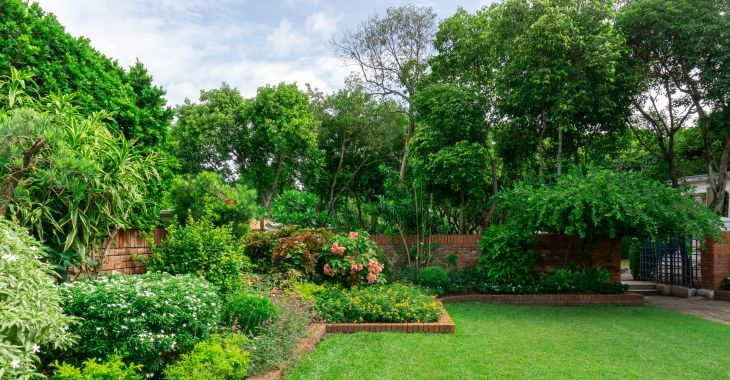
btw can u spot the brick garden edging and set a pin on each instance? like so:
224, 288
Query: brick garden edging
722, 295
626, 299
443, 325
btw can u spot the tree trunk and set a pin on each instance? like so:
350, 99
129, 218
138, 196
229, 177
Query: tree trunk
404, 161
541, 152
560, 149
274, 186
461, 213
7, 193
331, 203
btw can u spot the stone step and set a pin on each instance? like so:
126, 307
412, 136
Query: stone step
646, 292
642, 286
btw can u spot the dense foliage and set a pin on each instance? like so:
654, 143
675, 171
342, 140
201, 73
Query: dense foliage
433, 278
297, 208
300, 252
248, 312
382, 303
148, 319
206, 196
201, 249
217, 358
353, 259
507, 255
92, 369
31, 314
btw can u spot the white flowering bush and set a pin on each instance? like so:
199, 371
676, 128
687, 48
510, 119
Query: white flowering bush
31, 315
148, 319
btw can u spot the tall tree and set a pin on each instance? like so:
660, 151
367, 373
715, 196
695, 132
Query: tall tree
691, 40
392, 52
558, 71
283, 140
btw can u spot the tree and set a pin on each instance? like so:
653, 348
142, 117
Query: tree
356, 133
558, 71
449, 148
66, 177
282, 141
211, 134
689, 39
392, 52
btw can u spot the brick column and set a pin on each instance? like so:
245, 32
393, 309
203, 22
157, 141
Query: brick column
715, 262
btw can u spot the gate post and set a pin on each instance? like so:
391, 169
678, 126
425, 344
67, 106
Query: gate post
715, 261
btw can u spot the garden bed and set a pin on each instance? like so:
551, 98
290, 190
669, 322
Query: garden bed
626, 299
443, 325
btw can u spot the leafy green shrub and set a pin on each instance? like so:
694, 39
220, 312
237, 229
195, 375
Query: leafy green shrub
726, 283
31, 313
382, 303
297, 208
300, 251
507, 255
248, 311
259, 246
465, 281
597, 280
353, 259
148, 319
206, 196
406, 274
217, 358
91, 369
434, 278
308, 291
202, 249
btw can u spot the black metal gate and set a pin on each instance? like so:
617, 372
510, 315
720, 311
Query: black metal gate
673, 261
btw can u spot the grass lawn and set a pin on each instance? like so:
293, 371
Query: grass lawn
509, 341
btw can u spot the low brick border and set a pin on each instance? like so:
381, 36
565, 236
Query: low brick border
626, 299
722, 295
445, 325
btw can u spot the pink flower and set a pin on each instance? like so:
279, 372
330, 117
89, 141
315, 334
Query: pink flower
336, 249
372, 277
374, 267
355, 267
328, 270
353, 235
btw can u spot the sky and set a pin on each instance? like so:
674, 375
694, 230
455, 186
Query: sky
189, 45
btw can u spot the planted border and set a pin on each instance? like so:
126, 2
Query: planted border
444, 325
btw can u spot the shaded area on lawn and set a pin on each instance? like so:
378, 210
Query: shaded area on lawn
512, 341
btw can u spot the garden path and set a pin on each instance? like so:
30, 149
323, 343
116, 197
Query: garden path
717, 311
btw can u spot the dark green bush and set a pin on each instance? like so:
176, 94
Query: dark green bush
507, 255
149, 319
202, 249
434, 278
726, 283
465, 281
380, 303
248, 311
597, 280
217, 358
630, 248
91, 369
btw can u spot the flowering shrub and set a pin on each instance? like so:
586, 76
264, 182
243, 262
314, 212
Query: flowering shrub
300, 251
91, 369
30, 306
248, 311
383, 303
202, 249
352, 259
274, 342
217, 358
149, 319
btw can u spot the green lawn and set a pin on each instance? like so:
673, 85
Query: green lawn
506, 341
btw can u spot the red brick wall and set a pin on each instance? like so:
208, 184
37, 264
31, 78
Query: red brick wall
551, 251
715, 261
126, 245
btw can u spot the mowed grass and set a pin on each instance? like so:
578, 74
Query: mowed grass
533, 342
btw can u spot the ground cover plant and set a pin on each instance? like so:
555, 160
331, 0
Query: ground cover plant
520, 341
381, 303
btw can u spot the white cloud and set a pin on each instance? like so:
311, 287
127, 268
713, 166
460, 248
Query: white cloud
284, 40
320, 23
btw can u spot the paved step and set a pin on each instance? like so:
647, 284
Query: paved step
642, 286
646, 292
